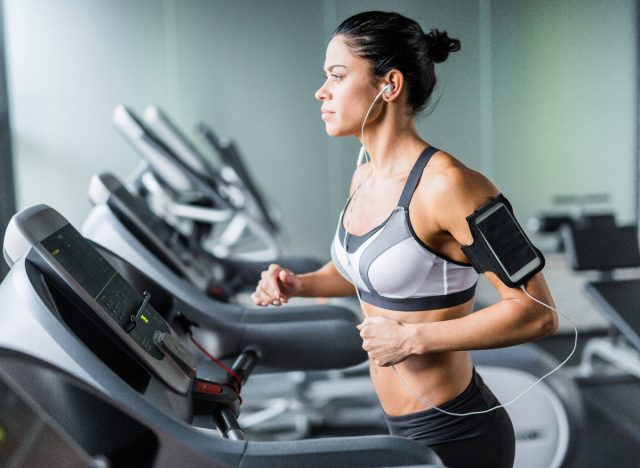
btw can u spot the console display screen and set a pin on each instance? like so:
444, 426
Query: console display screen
110, 290
80, 259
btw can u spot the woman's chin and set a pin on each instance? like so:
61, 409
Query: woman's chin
334, 131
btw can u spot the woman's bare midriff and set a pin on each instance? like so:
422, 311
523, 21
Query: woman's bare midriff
435, 377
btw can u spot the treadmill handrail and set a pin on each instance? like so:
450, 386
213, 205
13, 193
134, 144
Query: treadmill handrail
161, 159
230, 154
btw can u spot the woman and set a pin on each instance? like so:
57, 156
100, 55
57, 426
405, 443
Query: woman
403, 227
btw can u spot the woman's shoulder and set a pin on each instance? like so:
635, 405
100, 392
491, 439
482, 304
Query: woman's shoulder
446, 172
448, 180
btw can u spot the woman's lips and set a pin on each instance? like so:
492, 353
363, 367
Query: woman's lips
326, 114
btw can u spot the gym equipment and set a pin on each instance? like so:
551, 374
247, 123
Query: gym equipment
123, 223
192, 202
67, 303
605, 248
234, 172
138, 230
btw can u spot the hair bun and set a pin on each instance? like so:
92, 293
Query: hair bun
440, 45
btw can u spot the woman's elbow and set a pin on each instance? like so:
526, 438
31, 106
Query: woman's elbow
546, 323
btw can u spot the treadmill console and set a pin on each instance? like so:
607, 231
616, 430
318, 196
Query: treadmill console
70, 262
197, 267
116, 297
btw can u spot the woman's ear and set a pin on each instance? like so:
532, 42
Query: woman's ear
394, 83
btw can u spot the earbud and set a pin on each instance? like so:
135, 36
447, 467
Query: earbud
363, 151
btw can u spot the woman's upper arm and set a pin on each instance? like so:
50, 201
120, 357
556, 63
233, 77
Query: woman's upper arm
459, 191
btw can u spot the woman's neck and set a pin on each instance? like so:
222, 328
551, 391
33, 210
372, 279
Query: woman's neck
393, 144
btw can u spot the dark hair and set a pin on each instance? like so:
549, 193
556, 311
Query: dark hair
391, 41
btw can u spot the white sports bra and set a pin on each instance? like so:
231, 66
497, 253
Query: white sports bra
393, 269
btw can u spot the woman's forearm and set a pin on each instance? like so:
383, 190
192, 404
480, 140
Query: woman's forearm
325, 282
506, 323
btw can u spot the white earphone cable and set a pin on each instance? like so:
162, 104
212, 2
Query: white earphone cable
364, 153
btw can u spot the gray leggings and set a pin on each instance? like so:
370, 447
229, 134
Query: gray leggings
485, 440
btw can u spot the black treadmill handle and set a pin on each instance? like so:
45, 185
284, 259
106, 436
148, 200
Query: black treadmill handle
227, 424
244, 365
224, 416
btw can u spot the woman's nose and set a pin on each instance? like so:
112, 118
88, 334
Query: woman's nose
321, 93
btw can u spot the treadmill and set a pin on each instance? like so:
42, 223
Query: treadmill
65, 303
218, 277
191, 201
229, 154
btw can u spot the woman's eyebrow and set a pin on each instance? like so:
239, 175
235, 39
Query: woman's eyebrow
330, 69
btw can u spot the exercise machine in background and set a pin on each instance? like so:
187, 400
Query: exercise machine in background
212, 211
234, 171
607, 248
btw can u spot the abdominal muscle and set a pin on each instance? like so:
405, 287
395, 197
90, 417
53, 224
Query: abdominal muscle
435, 377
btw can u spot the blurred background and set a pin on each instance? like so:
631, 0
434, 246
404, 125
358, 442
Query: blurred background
542, 98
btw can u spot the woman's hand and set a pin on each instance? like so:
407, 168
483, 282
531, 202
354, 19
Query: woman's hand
276, 286
385, 340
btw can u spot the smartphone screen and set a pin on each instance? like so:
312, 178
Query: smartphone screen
508, 243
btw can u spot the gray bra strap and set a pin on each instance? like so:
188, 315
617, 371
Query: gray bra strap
415, 174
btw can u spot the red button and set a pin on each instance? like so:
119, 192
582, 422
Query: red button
207, 387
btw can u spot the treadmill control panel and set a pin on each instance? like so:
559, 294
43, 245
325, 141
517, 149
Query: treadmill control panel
123, 310
81, 260
137, 317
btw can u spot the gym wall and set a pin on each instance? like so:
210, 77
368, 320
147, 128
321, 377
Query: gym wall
542, 97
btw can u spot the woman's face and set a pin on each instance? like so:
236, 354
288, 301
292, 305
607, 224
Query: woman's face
347, 91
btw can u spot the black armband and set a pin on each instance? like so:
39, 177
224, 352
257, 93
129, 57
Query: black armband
500, 244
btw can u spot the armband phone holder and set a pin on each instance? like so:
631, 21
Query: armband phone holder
500, 245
